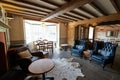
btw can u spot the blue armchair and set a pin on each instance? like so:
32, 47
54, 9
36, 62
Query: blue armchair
105, 55
78, 47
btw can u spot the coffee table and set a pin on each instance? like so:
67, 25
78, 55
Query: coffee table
41, 66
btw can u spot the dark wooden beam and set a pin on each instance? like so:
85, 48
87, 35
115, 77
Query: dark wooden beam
73, 16
64, 20
115, 5
68, 18
24, 11
58, 20
21, 13
110, 22
94, 5
66, 7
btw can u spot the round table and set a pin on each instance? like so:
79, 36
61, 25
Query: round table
41, 66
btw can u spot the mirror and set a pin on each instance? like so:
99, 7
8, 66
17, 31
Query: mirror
112, 34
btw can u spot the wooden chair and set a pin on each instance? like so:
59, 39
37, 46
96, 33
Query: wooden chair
50, 45
45, 44
41, 45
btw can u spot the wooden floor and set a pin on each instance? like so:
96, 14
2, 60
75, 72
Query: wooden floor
91, 70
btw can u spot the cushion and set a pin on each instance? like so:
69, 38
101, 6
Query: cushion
80, 47
103, 53
25, 54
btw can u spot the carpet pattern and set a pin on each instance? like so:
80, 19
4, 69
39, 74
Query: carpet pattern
65, 69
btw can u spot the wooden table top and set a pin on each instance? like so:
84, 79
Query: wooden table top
41, 66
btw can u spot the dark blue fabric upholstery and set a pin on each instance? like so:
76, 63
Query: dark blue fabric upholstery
105, 55
78, 47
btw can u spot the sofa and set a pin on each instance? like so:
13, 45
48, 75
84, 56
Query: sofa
16, 54
104, 55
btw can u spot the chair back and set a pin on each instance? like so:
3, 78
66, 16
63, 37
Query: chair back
109, 48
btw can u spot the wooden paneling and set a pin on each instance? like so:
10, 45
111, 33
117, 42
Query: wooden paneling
16, 30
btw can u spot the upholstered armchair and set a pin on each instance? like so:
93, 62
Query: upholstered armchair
97, 45
23, 53
105, 55
78, 47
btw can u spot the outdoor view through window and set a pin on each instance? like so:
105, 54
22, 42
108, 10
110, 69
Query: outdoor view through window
35, 30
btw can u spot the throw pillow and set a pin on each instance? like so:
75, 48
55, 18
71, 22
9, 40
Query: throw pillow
80, 47
25, 54
103, 53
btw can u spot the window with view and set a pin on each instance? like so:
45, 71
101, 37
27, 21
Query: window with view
40, 30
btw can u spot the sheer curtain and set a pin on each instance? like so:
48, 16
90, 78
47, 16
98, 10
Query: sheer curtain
37, 31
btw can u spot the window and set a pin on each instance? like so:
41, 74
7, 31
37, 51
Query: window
39, 30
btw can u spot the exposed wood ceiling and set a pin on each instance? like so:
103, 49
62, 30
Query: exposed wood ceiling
61, 10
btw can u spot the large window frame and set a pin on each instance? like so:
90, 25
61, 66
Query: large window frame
40, 30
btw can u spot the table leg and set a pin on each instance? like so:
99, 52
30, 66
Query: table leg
43, 76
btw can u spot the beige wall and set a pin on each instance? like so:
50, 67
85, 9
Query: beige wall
70, 34
63, 34
16, 30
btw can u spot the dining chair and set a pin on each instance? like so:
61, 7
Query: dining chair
45, 44
41, 45
50, 45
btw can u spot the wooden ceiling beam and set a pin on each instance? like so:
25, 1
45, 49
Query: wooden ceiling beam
79, 14
73, 16
97, 8
25, 5
21, 12
69, 17
29, 12
64, 18
115, 5
34, 4
22, 9
26, 16
65, 8
110, 22
98, 20
58, 20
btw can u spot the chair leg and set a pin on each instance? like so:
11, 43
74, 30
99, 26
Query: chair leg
103, 66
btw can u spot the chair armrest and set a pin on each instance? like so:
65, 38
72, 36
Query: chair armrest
74, 47
39, 54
